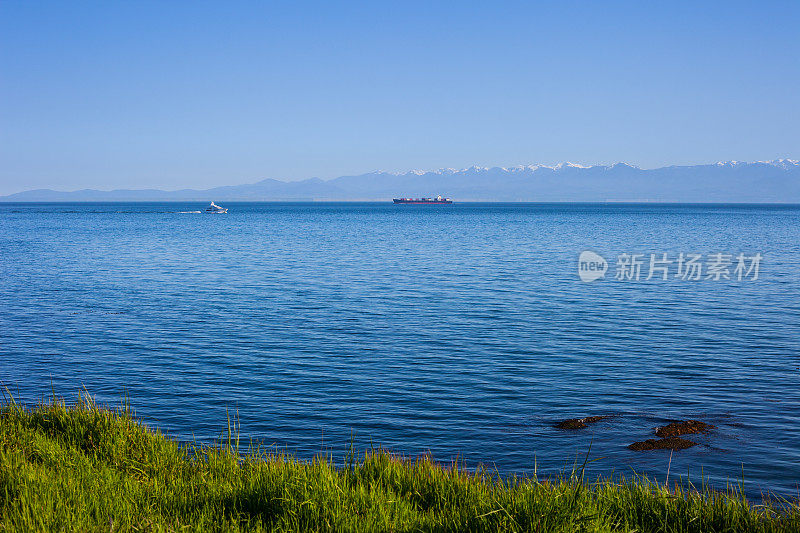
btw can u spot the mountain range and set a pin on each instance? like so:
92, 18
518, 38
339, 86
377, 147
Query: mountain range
732, 181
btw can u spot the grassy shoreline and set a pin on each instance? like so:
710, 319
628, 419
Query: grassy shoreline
85, 468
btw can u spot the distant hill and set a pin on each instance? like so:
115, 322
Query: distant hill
732, 181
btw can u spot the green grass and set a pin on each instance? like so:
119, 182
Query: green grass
85, 468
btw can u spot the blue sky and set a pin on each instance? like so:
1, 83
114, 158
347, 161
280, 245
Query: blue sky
198, 94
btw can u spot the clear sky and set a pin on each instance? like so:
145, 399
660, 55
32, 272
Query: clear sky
197, 94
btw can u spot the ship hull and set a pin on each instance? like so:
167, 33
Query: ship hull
418, 202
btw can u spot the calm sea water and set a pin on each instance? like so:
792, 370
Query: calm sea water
458, 330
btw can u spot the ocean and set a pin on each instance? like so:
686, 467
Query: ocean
462, 331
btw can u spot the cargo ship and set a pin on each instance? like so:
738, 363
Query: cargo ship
437, 200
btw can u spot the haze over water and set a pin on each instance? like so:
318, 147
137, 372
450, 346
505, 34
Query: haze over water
458, 330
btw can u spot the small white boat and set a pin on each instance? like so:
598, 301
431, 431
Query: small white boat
214, 208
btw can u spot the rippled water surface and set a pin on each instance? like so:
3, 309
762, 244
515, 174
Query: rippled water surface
458, 330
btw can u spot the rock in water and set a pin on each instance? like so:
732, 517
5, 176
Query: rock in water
676, 429
671, 443
579, 423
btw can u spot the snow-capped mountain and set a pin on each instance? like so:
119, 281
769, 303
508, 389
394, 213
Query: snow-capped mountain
785, 164
727, 181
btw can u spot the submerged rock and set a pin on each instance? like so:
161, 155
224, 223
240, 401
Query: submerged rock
676, 429
669, 443
571, 423
579, 423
